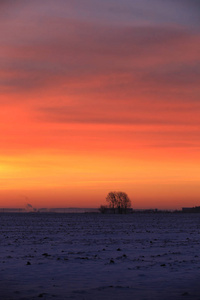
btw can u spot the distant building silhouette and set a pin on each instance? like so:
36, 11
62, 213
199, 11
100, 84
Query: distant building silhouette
110, 210
195, 209
12, 210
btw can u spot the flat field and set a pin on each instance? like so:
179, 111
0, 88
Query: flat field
94, 256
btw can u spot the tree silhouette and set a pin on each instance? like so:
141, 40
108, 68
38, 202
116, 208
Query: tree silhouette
112, 199
119, 201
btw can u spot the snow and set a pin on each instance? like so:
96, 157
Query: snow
94, 256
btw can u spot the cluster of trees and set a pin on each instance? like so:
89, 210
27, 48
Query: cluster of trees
117, 201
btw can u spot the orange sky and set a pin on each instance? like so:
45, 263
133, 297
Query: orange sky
99, 97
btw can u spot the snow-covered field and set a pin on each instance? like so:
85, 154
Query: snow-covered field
93, 256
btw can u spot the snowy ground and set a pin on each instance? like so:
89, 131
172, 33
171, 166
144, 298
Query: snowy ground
93, 256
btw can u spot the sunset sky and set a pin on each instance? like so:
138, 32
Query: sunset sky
98, 96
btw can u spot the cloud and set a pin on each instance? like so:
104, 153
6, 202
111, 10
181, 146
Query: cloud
175, 75
106, 49
76, 52
146, 114
102, 72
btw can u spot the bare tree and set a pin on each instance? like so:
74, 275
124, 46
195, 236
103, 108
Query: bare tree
123, 202
119, 201
112, 200
102, 209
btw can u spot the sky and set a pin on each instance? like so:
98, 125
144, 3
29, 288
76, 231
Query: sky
99, 96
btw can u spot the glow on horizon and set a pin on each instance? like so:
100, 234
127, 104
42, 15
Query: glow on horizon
99, 102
